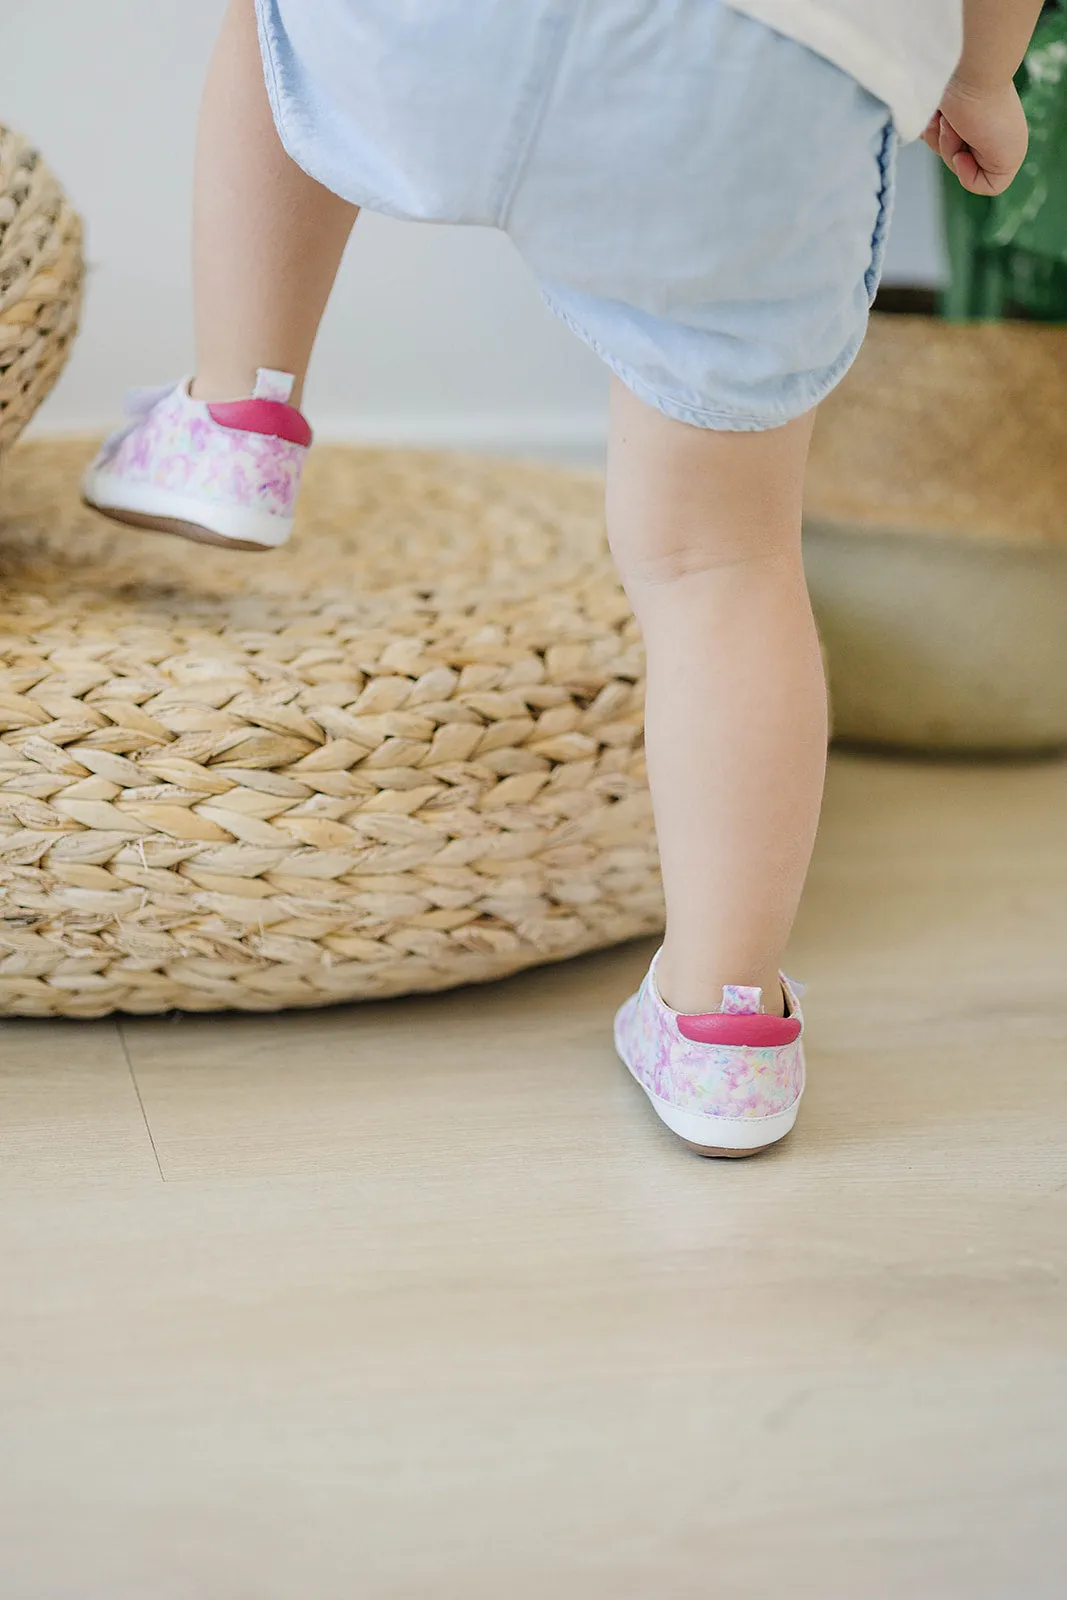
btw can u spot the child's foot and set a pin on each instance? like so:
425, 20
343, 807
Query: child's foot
728, 1082
222, 473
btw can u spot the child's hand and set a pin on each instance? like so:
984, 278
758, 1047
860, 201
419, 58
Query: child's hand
981, 135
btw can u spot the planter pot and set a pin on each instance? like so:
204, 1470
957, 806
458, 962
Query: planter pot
936, 537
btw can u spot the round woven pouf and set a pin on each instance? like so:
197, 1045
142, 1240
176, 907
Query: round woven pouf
41, 274
936, 537
403, 754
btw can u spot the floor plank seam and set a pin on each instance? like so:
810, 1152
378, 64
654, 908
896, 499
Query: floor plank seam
137, 1091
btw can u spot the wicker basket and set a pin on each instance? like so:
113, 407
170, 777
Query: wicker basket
41, 274
936, 537
403, 754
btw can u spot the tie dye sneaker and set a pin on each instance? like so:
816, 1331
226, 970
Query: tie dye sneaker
728, 1082
222, 473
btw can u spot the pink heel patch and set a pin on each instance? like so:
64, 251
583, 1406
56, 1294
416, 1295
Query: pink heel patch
723, 1027
271, 417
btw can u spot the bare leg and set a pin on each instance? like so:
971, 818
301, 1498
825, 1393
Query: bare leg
705, 528
268, 239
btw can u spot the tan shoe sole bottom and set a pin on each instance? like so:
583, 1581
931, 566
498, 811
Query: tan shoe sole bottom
183, 530
728, 1155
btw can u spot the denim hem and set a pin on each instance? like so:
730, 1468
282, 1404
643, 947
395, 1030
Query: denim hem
717, 420
279, 96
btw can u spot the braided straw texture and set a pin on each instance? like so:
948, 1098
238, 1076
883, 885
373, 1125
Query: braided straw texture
949, 430
41, 274
403, 754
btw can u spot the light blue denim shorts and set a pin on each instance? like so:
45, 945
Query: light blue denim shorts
702, 200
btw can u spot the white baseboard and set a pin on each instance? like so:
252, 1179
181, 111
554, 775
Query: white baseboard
580, 437
572, 438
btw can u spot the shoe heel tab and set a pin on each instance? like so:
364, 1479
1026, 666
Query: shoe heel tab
273, 385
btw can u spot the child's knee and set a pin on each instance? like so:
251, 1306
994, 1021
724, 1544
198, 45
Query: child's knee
657, 563
683, 501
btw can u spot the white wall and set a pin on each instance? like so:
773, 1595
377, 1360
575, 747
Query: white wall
434, 335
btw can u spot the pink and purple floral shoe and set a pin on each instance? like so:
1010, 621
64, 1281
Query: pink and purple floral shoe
219, 472
728, 1082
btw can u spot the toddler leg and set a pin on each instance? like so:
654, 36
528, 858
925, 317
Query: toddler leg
268, 239
705, 528
268, 242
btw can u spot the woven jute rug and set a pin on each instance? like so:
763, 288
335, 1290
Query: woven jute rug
403, 754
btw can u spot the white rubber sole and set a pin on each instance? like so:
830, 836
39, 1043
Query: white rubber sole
718, 1136
145, 506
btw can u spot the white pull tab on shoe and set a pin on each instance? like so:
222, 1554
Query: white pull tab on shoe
273, 385
739, 1000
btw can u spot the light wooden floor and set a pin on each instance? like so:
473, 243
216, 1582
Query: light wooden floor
419, 1300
